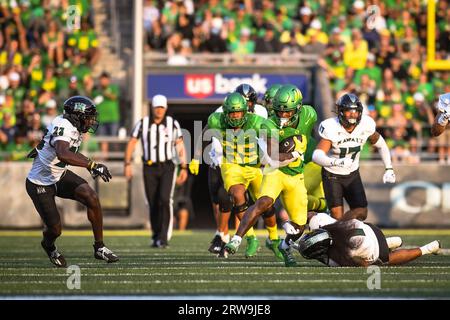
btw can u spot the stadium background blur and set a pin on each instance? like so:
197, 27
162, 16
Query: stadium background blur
382, 58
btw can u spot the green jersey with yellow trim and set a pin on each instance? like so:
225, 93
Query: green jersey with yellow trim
304, 126
239, 146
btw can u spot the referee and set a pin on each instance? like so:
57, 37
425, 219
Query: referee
161, 138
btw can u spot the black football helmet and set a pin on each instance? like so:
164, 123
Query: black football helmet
82, 113
315, 244
248, 93
349, 101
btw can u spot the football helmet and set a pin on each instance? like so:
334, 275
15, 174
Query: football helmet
349, 101
82, 113
315, 244
288, 98
248, 93
235, 102
269, 95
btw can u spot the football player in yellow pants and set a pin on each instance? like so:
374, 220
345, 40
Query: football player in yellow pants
285, 179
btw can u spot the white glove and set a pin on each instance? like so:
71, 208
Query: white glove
289, 228
296, 155
342, 163
444, 104
389, 176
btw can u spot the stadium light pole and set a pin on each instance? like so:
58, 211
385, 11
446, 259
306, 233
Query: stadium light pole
138, 62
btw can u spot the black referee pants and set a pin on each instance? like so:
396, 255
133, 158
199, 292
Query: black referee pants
159, 182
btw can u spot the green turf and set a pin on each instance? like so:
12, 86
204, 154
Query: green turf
187, 268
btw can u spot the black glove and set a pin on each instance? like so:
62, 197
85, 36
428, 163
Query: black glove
98, 169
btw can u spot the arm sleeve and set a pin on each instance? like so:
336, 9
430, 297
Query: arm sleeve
322, 159
384, 152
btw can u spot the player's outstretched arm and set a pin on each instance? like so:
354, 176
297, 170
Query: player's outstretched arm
378, 141
64, 154
320, 156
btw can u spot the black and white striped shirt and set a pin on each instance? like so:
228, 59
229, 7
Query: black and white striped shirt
158, 140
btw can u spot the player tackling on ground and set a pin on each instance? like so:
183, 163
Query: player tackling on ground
345, 135
352, 243
49, 176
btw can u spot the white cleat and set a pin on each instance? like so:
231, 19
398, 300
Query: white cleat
434, 247
394, 242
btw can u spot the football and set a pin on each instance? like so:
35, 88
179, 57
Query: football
288, 145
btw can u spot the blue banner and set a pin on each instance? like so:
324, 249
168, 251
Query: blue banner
215, 86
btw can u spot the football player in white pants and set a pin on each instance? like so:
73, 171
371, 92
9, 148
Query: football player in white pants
344, 136
353, 243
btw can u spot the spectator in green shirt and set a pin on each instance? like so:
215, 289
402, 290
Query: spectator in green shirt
106, 97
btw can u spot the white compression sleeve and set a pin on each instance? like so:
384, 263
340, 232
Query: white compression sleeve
322, 159
384, 152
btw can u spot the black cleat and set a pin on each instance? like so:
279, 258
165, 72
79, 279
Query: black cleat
55, 257
103, 253
216, 244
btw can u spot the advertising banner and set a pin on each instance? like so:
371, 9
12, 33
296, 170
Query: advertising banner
215, 86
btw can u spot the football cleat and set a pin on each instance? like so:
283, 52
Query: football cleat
289, 260
103, 253
273, 246
231, 247
252, 246
223, 253
55, 257
434, 247
216, 244
394, 242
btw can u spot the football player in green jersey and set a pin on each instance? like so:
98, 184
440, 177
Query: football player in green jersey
237, 130
284, 177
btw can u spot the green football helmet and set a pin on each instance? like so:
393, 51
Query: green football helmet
288, 98
235, 102
269, 95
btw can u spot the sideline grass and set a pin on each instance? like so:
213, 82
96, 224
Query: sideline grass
188, 269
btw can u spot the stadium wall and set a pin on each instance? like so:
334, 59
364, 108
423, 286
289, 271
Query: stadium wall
421, 198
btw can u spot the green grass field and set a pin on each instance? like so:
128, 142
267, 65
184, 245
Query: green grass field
188, 269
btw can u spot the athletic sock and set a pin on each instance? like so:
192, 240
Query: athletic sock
250, 233
226, 237
273, 232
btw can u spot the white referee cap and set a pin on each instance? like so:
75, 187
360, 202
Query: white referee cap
159, 101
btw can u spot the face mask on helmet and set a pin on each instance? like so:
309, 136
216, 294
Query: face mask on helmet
288, 98
82, 113
349, 102
286, 121
315, 244
235, 103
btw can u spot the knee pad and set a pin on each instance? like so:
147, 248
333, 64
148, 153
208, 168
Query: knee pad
240, 208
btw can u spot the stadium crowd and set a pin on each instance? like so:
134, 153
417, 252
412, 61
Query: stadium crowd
375, 49
46, 56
